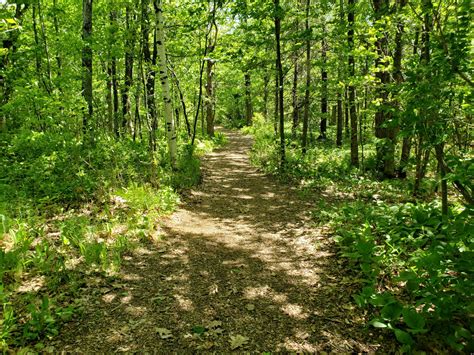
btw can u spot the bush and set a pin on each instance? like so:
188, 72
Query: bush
417, 269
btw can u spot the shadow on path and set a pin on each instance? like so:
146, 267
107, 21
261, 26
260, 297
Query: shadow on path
240, 257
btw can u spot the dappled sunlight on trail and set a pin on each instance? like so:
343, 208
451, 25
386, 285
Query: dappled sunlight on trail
240, 257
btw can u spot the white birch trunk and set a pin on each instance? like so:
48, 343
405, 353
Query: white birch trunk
165, 85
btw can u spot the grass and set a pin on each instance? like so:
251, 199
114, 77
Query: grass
54, 240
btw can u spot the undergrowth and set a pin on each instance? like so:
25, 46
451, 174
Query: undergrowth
69, 213
414, 267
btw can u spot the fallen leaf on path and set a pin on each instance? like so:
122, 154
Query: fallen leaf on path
206, 345
250, 307
164, 333
214, 324
236, 341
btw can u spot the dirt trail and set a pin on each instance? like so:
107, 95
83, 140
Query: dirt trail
240, 257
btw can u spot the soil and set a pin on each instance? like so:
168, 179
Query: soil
240, 266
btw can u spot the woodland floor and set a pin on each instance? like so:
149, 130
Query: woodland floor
240, 266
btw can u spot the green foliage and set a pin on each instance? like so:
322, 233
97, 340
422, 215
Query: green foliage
57, 167
42, 323
418, 268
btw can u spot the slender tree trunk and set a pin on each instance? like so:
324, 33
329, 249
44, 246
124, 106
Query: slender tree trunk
308, 79
45, 45
40, 48
351, 62
128, 80
383, 116
209, 103
56, 30
294, 92
248, 99
280, 82
208, 47
110, 105
339, 121
340, 115
324, 87
37, 45
165, 86
182, 100
87, 64
407, 140
277, 101
210, 90
439, 149
150, 74
422, 159
113, 66
346, 112
266, 81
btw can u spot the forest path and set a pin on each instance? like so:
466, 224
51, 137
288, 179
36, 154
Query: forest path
240, 263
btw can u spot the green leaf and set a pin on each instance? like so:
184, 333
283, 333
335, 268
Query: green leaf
199, 329
413, 319
403, 337
164, 333
378, 324
237, 341
391, 311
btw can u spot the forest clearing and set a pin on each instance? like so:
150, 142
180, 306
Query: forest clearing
225, 176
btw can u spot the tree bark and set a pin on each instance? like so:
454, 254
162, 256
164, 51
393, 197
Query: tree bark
294, 92
87, 64
324, 87
308, 79
384, 129
150, 74
278, 11
210, 98
351, 88
181, 98
266, 81
165, 86
248, 99
128, 80
113, 67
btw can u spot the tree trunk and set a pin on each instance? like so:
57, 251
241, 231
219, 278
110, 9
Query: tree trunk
182, 100
165, 86
308, 80
150, 74
110, 105
128, 80
340, 120
266, 81
45, 45
294, 92
210, 98
87, 64
324, 87
351, 88
56, 30
113, 66
384, 129
248, 99
340, 115
277, 100
439, 149
346, 112
278, 11
407, 141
